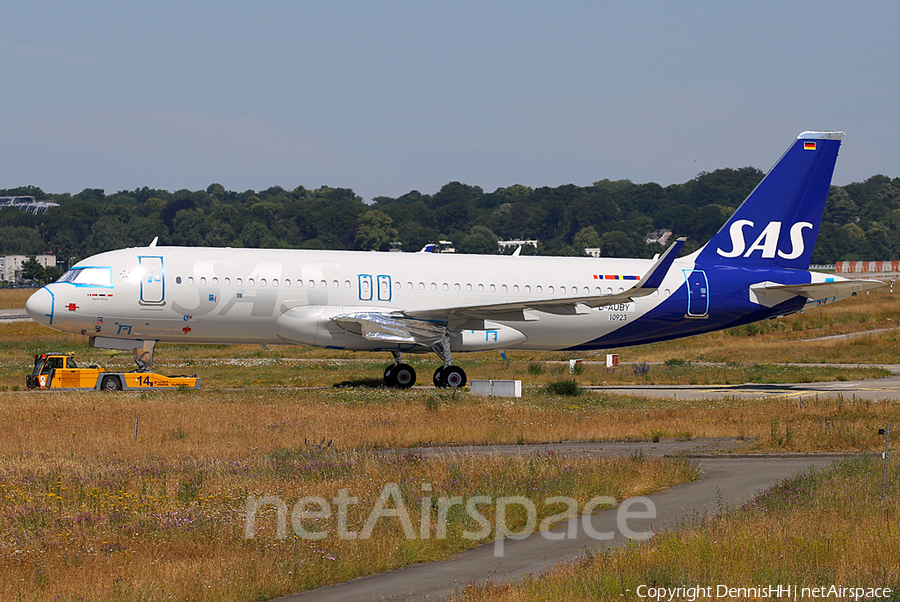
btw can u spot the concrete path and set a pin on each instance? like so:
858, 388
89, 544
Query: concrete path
13, 315
852, 390
727, 481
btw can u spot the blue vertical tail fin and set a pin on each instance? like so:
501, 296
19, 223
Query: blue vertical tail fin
778, 223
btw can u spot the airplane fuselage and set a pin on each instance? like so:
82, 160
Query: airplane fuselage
754, 268
260, 296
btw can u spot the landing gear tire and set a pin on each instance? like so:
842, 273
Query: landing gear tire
110, 383
389, 376
400, 376
436, 378
449, 376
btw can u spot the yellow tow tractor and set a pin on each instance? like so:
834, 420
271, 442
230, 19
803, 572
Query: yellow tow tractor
59, 371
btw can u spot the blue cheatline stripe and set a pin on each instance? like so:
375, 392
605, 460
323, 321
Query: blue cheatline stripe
52, 304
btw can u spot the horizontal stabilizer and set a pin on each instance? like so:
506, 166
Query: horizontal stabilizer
770, 294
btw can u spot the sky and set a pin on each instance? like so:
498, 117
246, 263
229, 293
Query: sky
389, 97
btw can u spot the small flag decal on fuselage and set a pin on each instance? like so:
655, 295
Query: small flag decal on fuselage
615, 277
809, 146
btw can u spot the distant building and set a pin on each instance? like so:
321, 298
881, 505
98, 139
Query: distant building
11, 266
27, 203
592, 252
505, 244
660, 236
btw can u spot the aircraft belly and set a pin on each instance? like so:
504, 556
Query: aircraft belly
554, 332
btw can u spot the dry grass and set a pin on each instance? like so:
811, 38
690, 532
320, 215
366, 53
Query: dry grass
112, 528
14, 298
232, 424
825, 529
120, 518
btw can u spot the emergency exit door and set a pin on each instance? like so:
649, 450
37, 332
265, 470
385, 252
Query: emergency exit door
153, 285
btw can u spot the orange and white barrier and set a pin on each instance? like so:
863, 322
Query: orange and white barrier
856, 267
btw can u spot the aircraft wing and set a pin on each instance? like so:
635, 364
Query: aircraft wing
429, 327
392, 328
647, 285
772, 293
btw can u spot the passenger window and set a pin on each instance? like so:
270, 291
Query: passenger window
202, 280
239, 282
446, 287
228, 282
250, 282
287, 283
433, 286
215, 281
469, 288
562, 290
503, 288
527, 288
190, 280
539, 289
515, 288
177, 279
274, 281
550, 289
493, 288
480, 288
262, 282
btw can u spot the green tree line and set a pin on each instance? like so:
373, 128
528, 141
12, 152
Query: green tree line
862, 219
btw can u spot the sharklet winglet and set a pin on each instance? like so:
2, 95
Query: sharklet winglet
654, 276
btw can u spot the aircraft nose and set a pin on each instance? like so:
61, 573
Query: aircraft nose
40, 306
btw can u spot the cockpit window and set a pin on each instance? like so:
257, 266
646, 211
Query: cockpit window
91, 276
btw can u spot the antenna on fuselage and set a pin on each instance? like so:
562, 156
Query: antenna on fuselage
153, 243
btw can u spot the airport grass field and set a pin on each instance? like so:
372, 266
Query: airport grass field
141, 496
813, 531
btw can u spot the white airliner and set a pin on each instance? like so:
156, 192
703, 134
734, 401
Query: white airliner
754, 268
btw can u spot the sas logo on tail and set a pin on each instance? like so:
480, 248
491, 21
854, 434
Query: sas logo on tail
767, 241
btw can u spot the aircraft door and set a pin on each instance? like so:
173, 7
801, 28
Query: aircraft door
153, 286
698, 293
365, 287
384, 288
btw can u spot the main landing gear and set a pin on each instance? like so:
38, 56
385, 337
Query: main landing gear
402, 376
449, 376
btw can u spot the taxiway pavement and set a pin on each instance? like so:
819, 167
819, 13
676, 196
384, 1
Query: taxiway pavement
727, 481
